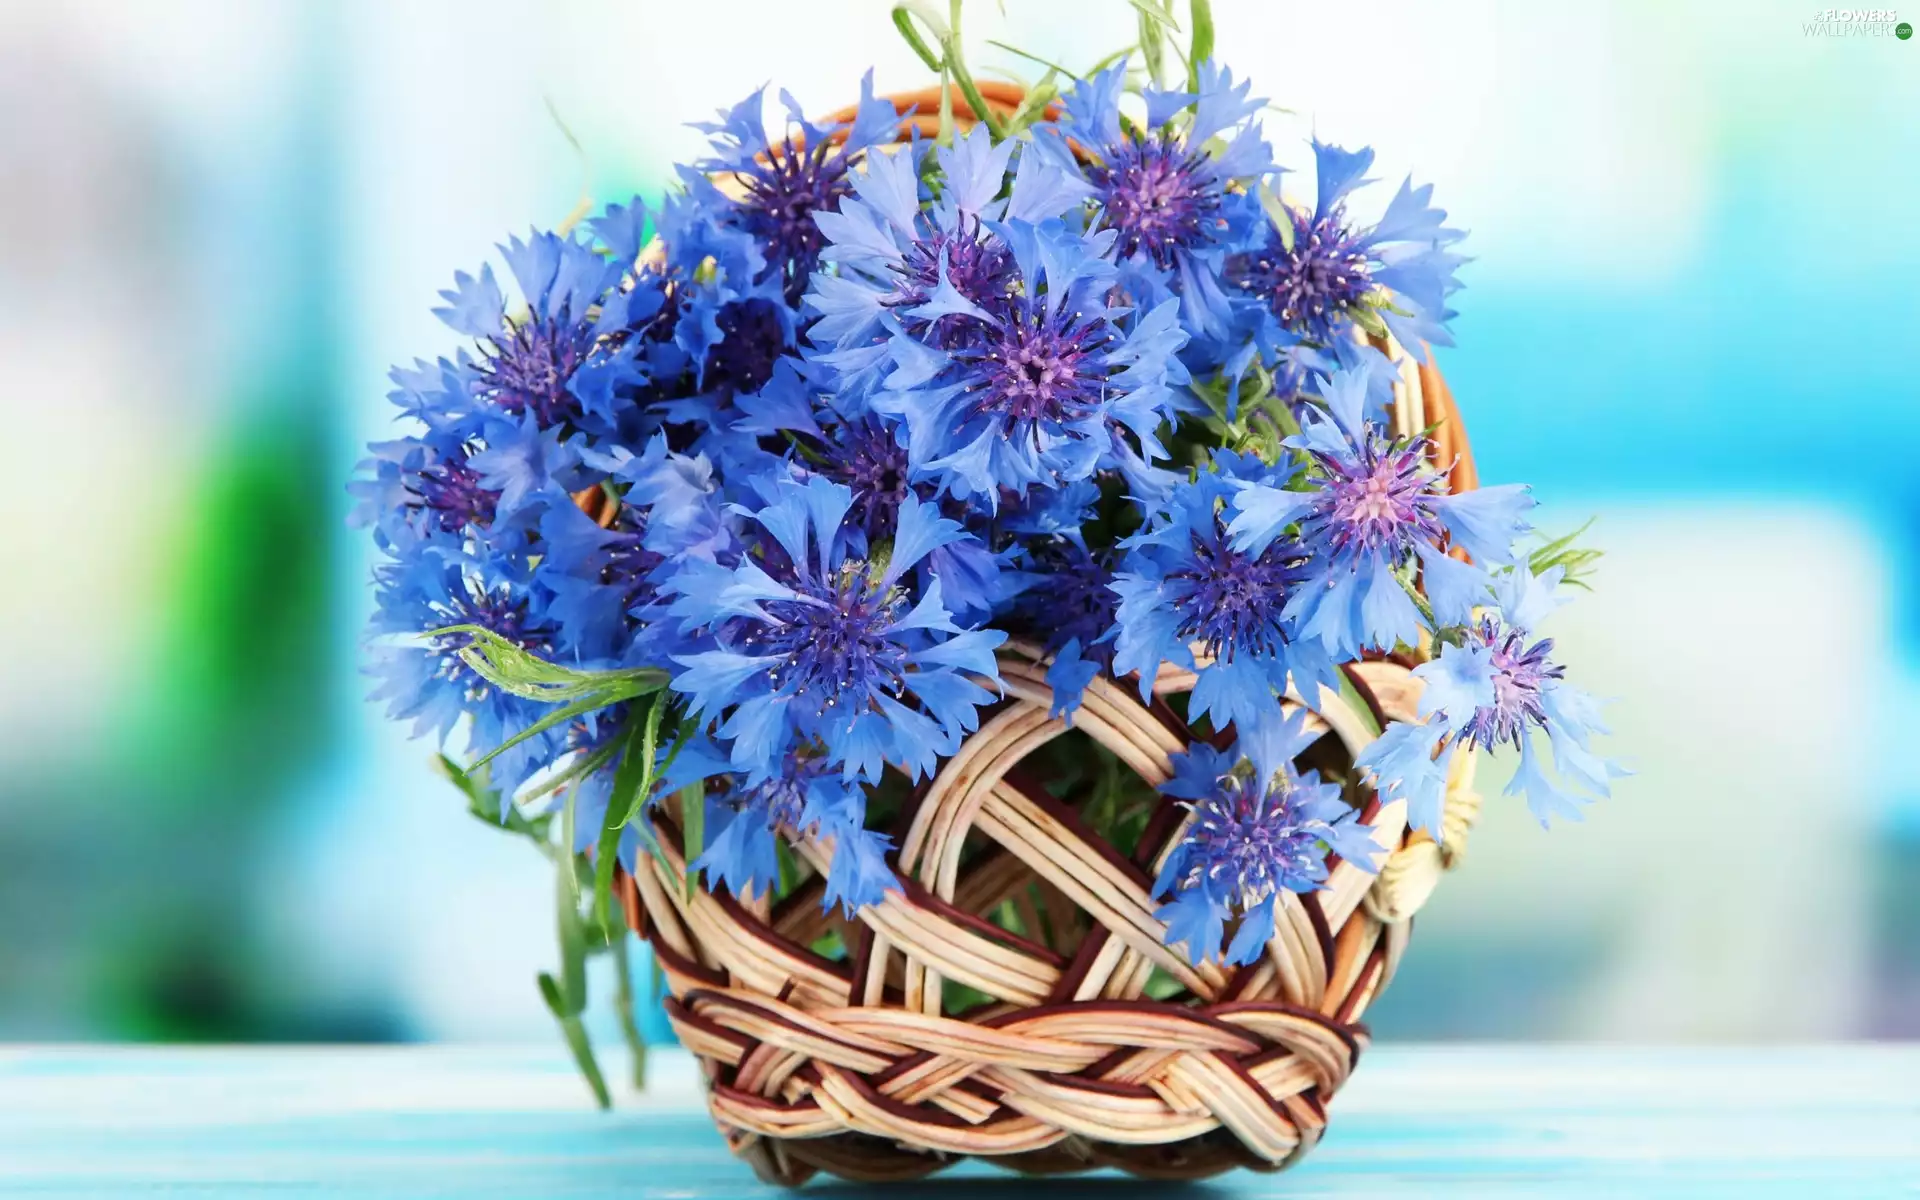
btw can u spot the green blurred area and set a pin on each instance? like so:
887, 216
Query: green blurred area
130, 879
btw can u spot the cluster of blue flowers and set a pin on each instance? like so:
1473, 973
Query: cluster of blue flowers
813, 437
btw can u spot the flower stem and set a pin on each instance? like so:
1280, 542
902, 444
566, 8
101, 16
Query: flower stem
1200, 16
956, 64
1419, 600
803, 450
623, 1007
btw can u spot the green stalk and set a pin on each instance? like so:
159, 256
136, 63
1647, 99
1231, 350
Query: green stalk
1200, 13
903, 16
575, 1033
803, 450
1419, 601
945, 136
957, 65
623, 1007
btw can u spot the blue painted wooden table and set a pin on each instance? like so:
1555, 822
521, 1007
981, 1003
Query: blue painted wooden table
1838, 1121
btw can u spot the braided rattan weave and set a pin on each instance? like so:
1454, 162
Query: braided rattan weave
855, 1067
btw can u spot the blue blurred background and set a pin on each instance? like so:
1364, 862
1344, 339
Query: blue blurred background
1690, 315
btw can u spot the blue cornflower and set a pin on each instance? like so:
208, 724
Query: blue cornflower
812, 645
1497, 686
864, 452
560, 363
806, 796
1185, 588
982, 325
1316, 271
1181, 193
601, 577
725, 313
424, 485
527, 467
1373, 507
779, 189
606, 552
448, 488
680, 494
1260, 827
415, 487
1041, 400
1063, 597
423, 678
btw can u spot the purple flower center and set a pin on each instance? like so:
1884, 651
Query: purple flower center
870, 461
781, 799
529, 370
1160, 196
1520, 672
1248, 841
832, 642
752, 342
451, 491
979, 268
1313, 284
629, 565
1373, 499
1070, 600
1231, 602
783, 192
498, 612
1040, 367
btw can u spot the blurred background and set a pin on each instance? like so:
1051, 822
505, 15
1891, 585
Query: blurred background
1690, 315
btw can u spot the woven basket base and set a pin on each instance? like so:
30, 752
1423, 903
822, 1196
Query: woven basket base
855, 1067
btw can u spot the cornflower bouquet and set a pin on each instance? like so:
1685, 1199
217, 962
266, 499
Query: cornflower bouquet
709, 546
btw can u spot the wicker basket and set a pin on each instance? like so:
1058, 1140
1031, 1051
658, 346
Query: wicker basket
853, 1067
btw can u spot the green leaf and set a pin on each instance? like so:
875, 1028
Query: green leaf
1162, 986
958, 997
513, 669
1368, 319
483, 804
575, 1034
559, 716
643, 744
632, 785
1035, 105
1152, 14
1278, 215
789, 872
1358, 703
550, 992
1152, 38
829, 945
1200, 48
582, 767
573, 935
481, 801
1035, 59
623, 1011
1576, 561
693, 820
1109, 60
904, 16
954, 63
